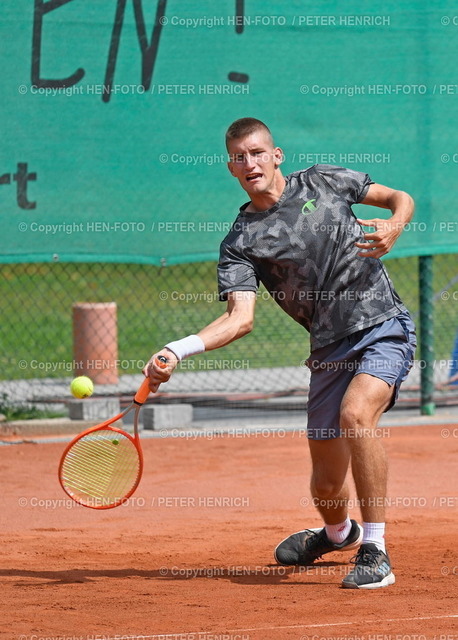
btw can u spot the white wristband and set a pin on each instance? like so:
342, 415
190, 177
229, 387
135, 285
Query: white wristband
189, 346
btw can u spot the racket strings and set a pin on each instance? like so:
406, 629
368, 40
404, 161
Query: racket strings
101, 468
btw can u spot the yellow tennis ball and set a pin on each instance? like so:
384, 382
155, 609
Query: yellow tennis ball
82, 387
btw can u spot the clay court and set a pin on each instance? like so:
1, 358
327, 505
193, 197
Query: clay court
190, 555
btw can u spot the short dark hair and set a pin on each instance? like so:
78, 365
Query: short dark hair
245, 127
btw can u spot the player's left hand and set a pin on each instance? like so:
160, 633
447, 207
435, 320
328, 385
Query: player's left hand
379, 242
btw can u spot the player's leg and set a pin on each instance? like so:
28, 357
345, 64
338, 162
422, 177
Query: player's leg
364, 402
330, 459
366, 399
330, 456
384, 365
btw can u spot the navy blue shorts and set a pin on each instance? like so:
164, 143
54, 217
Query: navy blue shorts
385, 351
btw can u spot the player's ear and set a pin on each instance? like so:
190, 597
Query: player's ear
230, 167
278, 156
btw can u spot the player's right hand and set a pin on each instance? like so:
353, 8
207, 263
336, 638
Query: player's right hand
158, 374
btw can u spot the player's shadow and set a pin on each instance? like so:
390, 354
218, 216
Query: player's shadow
271, 574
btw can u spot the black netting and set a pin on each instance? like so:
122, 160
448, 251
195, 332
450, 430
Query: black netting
159, 304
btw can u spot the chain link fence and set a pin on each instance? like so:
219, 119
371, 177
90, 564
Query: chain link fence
159, 304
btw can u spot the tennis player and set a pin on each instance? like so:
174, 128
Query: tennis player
299, 236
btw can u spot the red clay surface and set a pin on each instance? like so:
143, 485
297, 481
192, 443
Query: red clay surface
174, 565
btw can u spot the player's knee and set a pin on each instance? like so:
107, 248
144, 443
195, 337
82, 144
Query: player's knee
325, 488
352, 419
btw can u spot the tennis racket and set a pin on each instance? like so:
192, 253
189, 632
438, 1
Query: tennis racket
103, 465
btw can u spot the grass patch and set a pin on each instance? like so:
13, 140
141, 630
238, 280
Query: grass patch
24, 412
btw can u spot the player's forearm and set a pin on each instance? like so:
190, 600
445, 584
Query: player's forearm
224, 330
402, 207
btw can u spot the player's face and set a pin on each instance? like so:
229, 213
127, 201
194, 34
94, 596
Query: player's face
253, 161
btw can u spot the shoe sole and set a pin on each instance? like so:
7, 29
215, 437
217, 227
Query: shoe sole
387, 580
349, 547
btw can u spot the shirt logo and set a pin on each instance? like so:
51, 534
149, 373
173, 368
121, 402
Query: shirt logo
309, 206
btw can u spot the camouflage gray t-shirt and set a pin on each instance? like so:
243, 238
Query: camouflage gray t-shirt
303, 251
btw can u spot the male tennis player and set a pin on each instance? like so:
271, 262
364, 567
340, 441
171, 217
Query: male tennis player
299, 237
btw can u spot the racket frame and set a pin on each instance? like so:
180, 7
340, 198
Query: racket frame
137, 402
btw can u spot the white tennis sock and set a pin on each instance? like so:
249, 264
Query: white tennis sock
374, 532
338, 532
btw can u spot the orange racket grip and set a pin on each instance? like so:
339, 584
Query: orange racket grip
161, 362
144, 391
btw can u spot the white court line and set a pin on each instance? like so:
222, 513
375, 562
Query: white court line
202, 634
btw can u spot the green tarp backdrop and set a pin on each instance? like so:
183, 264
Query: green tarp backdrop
113, 116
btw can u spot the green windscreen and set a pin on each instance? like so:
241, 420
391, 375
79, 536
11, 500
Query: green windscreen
114, 111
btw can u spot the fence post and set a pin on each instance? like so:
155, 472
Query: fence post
95, 341
425, 266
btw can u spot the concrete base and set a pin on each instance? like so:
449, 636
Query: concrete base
167, 416
95, 409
